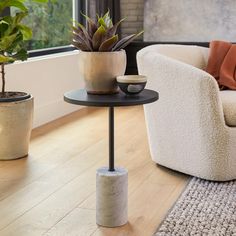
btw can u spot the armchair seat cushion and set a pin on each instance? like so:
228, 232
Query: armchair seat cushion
228, 99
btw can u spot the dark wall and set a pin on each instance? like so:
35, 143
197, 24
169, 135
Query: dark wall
134, 47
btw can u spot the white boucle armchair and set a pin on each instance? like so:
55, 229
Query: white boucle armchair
186, 127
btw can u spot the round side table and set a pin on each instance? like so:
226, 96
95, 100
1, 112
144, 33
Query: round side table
111, 181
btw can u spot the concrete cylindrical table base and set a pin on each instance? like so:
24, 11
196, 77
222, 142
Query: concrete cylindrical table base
111, 197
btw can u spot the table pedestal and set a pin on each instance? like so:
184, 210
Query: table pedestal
112, 182
111, 197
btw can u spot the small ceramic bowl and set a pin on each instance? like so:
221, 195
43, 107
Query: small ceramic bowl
131, 84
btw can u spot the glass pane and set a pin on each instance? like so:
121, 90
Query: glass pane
50, 23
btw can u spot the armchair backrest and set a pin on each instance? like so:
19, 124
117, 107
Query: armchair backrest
192, 55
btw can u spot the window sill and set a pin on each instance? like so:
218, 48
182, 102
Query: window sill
48, 57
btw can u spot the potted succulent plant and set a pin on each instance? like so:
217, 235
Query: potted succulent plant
16, 108
102, 57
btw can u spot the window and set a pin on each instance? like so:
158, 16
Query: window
51, 25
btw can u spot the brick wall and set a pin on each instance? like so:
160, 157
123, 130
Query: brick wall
132, 11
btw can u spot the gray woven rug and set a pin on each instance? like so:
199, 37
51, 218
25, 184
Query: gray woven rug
205, 208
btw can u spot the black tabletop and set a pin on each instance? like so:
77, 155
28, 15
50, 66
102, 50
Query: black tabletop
80, 97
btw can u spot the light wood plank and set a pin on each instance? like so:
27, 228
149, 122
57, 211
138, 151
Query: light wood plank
49, 211
57, 149
45, 193
81, 223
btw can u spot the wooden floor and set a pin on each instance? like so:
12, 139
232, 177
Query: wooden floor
52, 192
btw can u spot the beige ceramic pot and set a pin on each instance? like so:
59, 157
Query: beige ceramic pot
15, 128
100, 69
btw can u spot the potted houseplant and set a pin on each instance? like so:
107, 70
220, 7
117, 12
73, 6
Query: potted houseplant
16, 108
101, 56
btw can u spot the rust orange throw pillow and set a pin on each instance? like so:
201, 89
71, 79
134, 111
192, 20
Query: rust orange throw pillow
222, 64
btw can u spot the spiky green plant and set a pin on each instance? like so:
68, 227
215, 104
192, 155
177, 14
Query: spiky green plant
100, 35
13, 33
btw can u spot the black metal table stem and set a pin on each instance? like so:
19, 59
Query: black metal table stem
111, 139
81, 97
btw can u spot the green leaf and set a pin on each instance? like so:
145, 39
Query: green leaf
21, 55
78, 33
80, 46
82, 33
4, 59
77, 30
12, 3
84, 30
3, 28
122, 41
101, 22
16, 44
98, 37
11, 26
8, 19
107, 19
7, 41
26, 31
13, 23
81, 41
41, 1
18, 18
86, 36
108, 44
112, 31
125, 41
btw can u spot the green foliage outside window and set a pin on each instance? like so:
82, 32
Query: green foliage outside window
50, 23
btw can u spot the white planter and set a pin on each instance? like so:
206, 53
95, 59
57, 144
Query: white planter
15, 128
100, 69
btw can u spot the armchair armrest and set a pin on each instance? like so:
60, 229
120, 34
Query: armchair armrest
156, 64
178, 81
